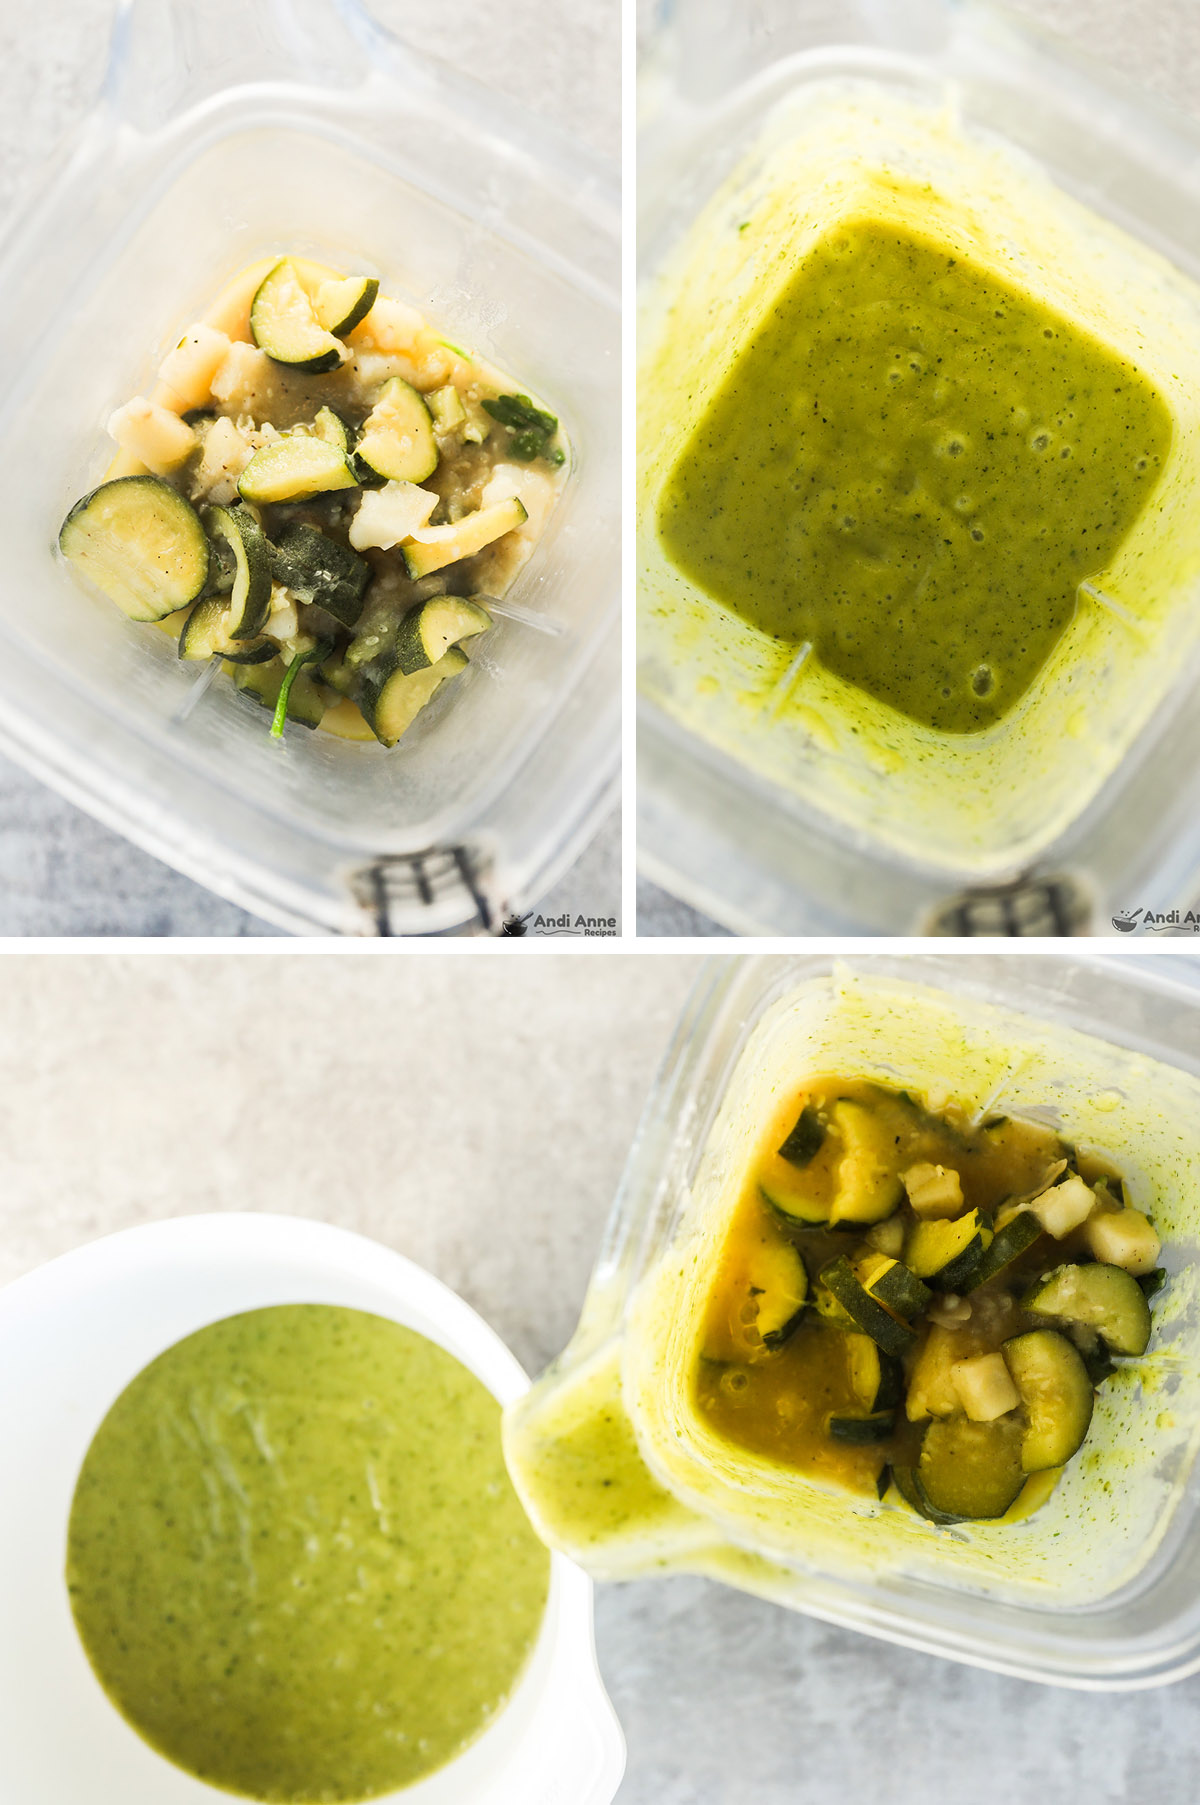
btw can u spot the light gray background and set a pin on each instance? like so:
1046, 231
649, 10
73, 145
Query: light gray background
60, 871
1153, 42
475, 1113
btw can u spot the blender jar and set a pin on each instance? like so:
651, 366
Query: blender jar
1075, 808
1100, 1586
223, 135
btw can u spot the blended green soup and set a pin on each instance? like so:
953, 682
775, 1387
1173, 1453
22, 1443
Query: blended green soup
913, 467
296, 1560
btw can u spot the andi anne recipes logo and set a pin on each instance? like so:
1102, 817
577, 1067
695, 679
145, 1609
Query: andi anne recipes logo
1180, 921
517, 926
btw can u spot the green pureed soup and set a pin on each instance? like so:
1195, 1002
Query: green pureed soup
296, 1561
913, 467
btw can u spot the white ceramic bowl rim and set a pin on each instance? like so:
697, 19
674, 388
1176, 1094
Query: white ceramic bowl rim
72, 1336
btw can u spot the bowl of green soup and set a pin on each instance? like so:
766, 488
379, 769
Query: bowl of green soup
261, 1542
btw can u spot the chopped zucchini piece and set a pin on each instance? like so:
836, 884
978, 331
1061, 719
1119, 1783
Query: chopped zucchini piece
397, 440
1123, 1238
1104, 1298
946, 1253
1152, 1282
449, 414
313, 655
971, 1470
777, 1288
931, 1388
1062, 1208
330, 426
205, 634
433, 547
805, 1140
913, 1492
321, 571
294, 468
933, 1191
868, 1184
392, 700
865, 1311
284, 325
140, 542
238, 535
1057, 1394
340, 305
429, 630
877, 1378
894, 1284
985, 1387
1007, 1245
305, 703
863, 1431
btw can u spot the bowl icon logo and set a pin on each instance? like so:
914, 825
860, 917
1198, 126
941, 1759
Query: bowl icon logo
1126, 921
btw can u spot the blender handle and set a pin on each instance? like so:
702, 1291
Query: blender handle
166, 56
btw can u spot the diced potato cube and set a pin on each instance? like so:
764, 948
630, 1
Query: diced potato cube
1064, 1206
225, 455
985, 1387
188, 370
242, 374
153, 434
934, 1191
887, 1237
931, 1387
386, 516
390, 326
1123, 1238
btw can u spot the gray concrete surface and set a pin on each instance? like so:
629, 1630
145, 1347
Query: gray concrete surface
475, 1113
61, 873
1154, 43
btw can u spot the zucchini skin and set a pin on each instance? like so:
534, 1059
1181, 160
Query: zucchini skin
805, 1140
76, 541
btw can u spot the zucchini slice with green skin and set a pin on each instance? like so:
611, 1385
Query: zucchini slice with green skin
314, 655
876, 1378
284, 325
805, 1140
970, 1471
306, 704
1057, 1394
911, 1490
429, 630
791, 1205
1007, 1245
340, 304
779, 1287
397, 439
293, 469
141, 543
445, 404
869, 1187
894, 1284
863, 1431
947, 1251
330, 426
250, 598
205, 634
392, 700
436, 546
321, 571
865, 1311
1105, 1298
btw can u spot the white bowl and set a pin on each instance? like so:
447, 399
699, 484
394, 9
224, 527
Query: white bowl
72, 1336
